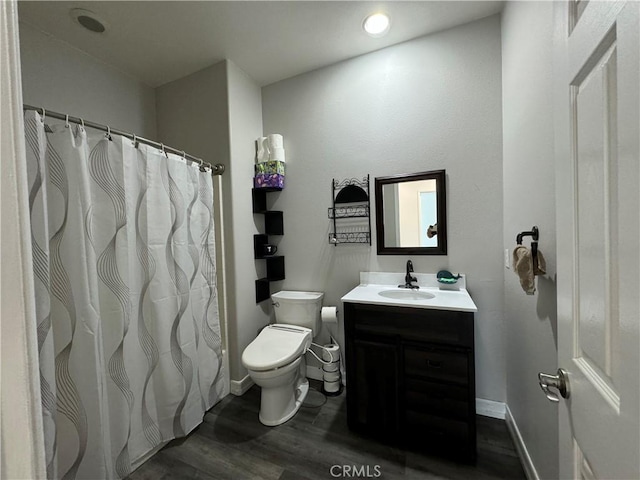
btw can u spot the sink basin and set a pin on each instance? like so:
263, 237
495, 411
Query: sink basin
406, 294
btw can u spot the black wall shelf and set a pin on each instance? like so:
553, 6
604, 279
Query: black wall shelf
259, 198
273, 225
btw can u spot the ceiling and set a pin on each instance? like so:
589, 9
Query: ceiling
160, 41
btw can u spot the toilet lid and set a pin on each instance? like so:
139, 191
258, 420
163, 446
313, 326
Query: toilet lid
276, 346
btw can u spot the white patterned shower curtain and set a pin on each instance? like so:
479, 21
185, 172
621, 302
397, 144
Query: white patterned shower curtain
127, 310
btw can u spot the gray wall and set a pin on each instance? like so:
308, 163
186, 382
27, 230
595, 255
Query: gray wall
216, 114
61, 78
426, 104
529, 199
193, 114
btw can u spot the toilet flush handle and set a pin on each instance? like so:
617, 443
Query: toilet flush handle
275, 304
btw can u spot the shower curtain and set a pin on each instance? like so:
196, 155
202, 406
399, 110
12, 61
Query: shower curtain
126, 302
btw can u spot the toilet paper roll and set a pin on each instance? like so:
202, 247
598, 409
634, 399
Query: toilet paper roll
331, 376
329, 314
276, 154
332, 367
331, 353
331, 387
275, 141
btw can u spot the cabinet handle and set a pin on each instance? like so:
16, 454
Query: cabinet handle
434, 364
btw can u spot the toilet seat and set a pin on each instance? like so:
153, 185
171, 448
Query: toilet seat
276, 346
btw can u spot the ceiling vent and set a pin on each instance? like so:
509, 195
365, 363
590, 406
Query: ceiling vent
89, 20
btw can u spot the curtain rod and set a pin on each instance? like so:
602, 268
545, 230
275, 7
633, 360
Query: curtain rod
217, 169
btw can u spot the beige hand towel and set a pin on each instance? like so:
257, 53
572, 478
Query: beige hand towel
523, 267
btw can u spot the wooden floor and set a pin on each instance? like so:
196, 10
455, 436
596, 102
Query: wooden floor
232, 444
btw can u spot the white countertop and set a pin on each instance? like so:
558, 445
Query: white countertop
444, 299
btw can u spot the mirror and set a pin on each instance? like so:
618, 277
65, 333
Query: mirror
411, 215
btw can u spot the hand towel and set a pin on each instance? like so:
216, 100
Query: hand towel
523, 267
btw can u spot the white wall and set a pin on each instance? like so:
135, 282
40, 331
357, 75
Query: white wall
61, 78
426, 104
245, 125
529, 199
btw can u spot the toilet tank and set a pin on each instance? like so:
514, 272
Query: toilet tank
298, 308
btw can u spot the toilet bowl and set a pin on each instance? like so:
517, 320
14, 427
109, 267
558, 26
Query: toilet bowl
276, 364
275, 359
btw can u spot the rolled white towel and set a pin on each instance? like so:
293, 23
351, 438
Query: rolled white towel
262, 150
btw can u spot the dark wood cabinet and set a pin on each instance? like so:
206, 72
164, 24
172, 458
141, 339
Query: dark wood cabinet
411, 377
376, 380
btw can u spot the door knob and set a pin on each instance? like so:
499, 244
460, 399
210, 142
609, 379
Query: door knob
559, 382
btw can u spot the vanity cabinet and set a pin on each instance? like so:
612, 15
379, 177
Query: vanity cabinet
411, 377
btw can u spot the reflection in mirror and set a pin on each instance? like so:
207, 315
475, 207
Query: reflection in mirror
411, 214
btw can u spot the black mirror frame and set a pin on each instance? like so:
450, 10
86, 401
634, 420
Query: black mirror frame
441, 199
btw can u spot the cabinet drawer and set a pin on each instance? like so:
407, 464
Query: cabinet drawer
444, 365
412, 324
434, 430
437, 398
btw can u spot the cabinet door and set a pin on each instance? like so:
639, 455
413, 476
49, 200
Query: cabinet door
373, 388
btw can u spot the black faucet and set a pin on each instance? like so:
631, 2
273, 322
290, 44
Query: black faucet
408, 278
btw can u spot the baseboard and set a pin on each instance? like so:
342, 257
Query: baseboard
314, 373
238, 388
489, 408
525, 459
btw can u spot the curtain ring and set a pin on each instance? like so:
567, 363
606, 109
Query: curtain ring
109, 132
135, 141
184, 155
66, 121
163, 150
82, 123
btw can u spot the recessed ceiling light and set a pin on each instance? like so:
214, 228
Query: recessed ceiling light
377, 24
89, 20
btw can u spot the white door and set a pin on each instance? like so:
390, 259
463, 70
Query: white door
597, 104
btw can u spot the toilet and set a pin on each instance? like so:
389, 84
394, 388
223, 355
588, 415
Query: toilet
275, 359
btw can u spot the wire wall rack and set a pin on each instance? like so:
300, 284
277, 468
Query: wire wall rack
351, 202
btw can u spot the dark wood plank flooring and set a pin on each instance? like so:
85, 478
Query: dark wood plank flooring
232, 444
